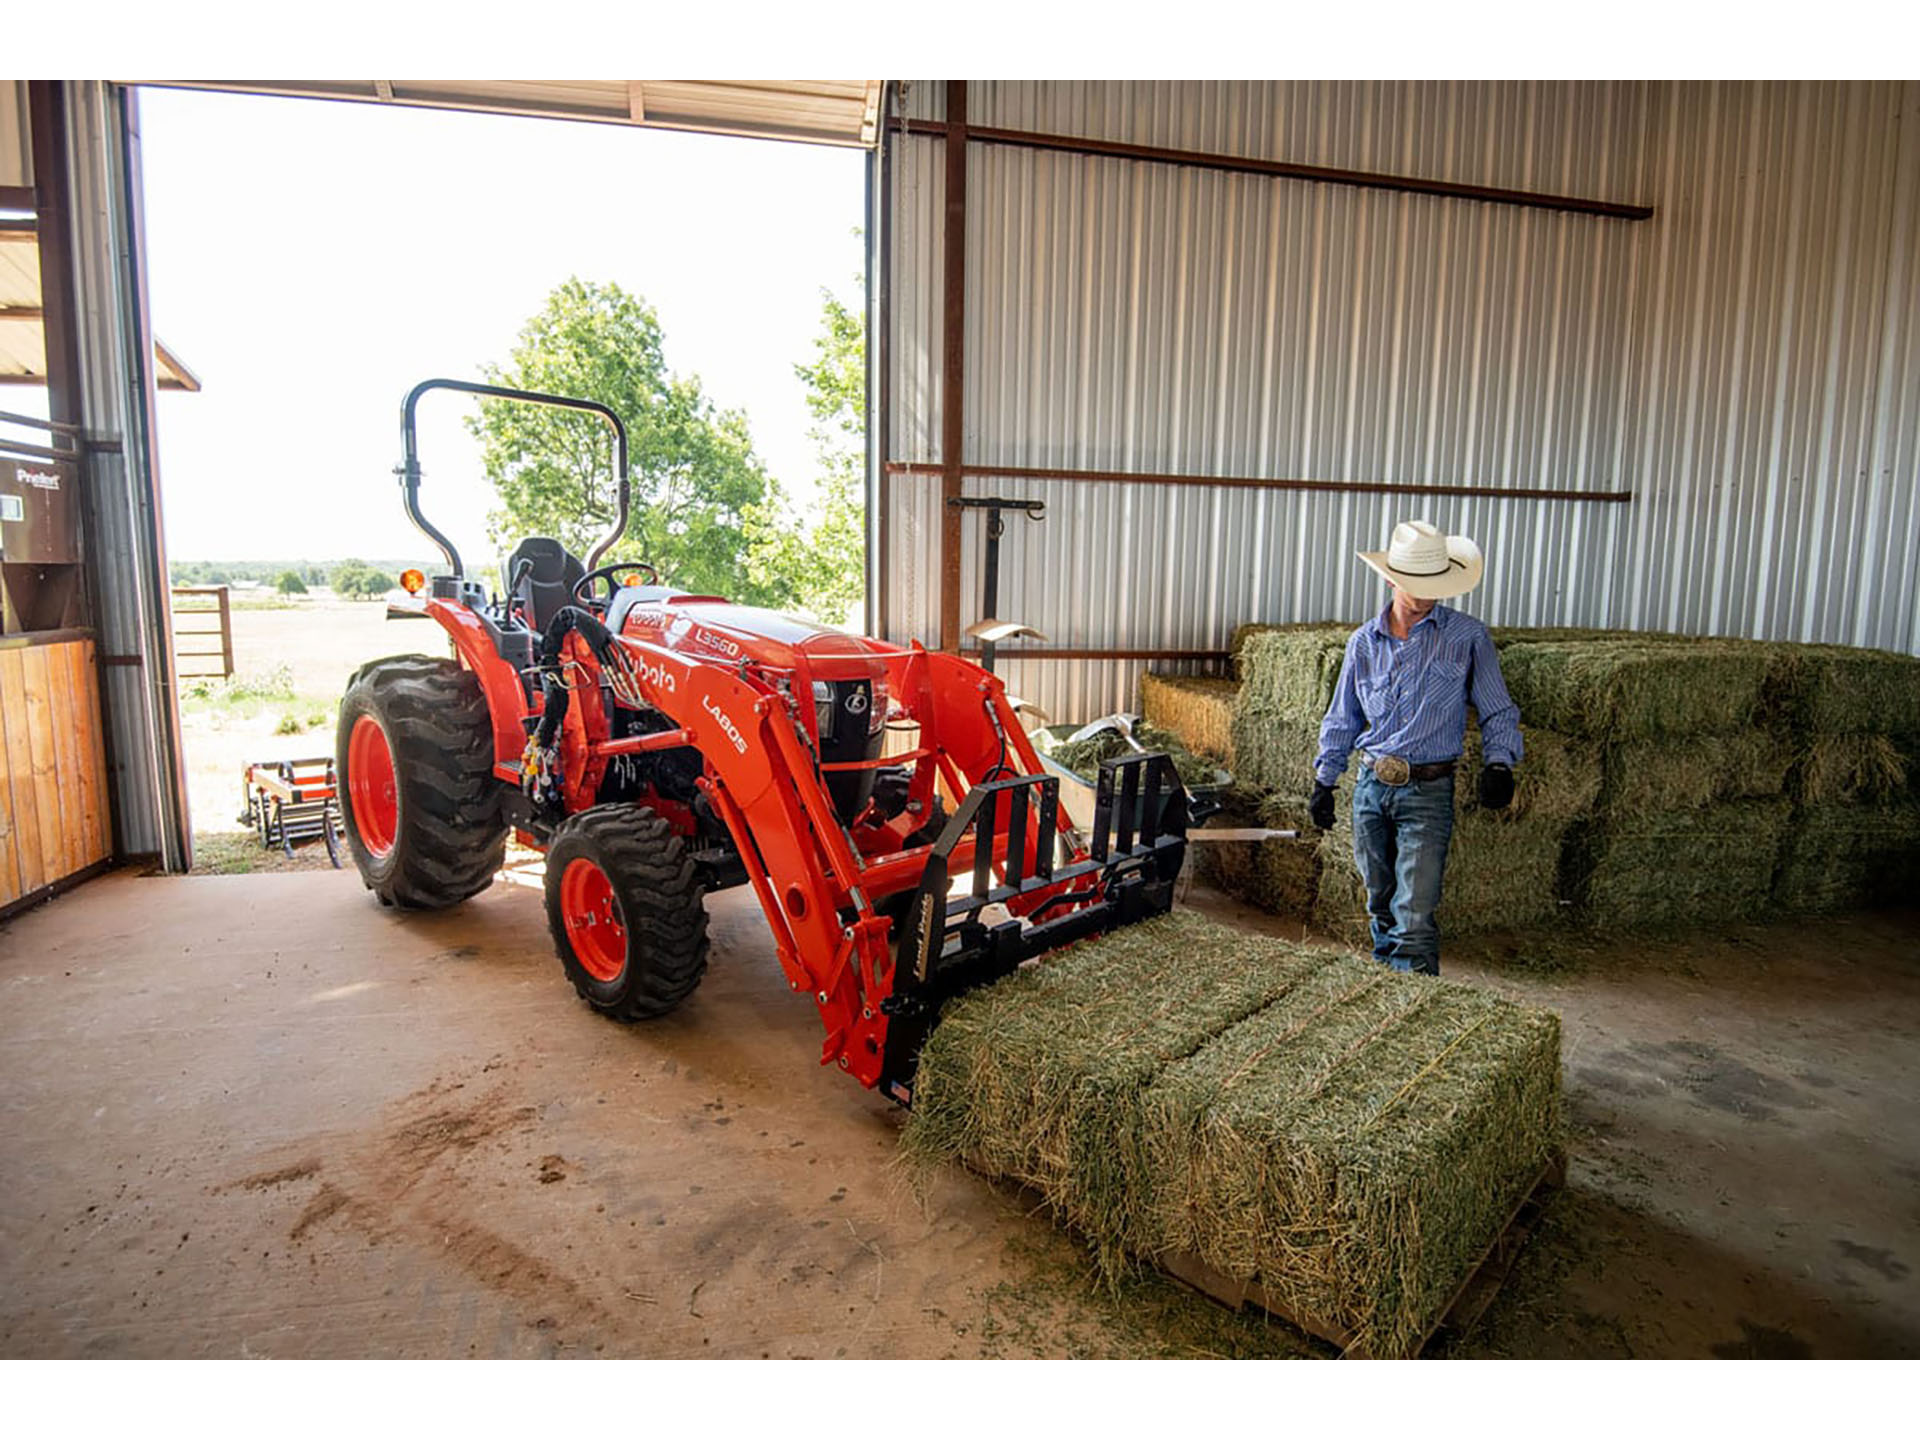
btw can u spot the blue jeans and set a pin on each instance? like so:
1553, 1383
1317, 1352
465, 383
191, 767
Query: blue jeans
1400, 836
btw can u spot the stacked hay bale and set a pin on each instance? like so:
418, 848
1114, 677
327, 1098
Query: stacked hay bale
1350, 1138
1503, 866
1669, 781
1198, 710
1690, 814
1854, 718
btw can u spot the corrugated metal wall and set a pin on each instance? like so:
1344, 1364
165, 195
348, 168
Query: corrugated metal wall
1745, 362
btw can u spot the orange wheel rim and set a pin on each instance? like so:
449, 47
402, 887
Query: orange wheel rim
376, 808
591, 914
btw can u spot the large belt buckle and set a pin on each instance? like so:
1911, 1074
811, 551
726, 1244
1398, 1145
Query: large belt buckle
1391, 770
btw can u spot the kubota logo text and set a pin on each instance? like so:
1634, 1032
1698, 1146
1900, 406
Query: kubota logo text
655, 675
727, 727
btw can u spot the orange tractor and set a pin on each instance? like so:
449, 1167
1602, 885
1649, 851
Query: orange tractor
659, 745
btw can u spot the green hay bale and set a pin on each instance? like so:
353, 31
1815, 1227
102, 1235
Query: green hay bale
1648, 776
1244, 633
1844, 689
1275, 754
1676, 869
1505, 635
1503, 866
1615, 693
1037, 1078
1355, 1146
1351, 1137
1279, 876
1196, 710
1848, 857
1290, 672
1084, 757
1852, 769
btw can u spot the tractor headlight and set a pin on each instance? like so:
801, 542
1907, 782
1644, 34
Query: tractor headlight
823, 708
877, 713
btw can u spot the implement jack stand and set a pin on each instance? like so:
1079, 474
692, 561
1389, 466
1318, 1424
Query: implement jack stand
988, 630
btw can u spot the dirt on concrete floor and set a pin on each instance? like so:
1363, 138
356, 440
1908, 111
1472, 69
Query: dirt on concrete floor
259, 1115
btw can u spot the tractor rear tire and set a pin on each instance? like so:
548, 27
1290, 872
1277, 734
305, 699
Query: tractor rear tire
414, 761
627, 911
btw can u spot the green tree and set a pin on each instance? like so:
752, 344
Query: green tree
696, 480
290, 583
825, 563
357, 580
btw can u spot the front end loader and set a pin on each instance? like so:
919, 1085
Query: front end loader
884, 803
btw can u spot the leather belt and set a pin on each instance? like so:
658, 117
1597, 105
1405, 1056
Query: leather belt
1392, 770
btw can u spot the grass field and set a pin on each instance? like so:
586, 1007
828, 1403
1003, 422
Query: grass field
291, 663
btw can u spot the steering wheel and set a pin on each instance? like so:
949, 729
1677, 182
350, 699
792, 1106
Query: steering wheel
609, 573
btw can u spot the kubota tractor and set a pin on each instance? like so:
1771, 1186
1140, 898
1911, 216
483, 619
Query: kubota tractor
659, 745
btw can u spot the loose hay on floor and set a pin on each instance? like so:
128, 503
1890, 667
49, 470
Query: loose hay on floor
1350, 1137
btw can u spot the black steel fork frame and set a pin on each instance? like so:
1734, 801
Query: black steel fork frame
942, 948
409, 467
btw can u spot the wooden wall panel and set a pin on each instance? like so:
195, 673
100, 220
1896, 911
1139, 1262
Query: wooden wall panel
53, 789
12, 886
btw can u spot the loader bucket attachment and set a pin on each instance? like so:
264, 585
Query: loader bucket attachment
943, 948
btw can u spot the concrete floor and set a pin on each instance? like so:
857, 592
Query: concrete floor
260, 1116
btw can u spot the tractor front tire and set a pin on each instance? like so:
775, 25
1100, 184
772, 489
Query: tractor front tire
627, 911
414, 763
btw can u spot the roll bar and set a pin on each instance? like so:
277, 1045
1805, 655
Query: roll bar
409, 467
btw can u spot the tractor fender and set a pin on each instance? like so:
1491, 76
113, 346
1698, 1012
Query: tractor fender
506, 700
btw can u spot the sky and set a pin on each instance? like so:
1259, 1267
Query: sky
310, 261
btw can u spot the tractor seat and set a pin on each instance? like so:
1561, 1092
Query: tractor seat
629, 596
540, 576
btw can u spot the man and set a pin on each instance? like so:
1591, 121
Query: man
1402, 702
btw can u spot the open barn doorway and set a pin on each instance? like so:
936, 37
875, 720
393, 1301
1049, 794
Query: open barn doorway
318, 259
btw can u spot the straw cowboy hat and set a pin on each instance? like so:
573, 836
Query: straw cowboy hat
1426, 562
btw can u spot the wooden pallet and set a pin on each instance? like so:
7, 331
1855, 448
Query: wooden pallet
1466, 1305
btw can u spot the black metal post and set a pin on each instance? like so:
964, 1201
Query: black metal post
996, 527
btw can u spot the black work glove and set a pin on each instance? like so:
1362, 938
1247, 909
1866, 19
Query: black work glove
1496, 787
1320, 807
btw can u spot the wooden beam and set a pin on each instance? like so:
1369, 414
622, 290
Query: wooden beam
17, 197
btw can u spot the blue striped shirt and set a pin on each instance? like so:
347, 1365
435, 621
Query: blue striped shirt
1409, 697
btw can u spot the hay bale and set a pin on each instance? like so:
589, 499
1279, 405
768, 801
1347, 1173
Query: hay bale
1290, 672
1853, 769
1845, 857
1618, 692
1647, 776
1350, 1137
1844, 689
1275, 754
1037, 1078
1196, 710
1503, 866
1355, 1146
1278, 876
1675, 869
